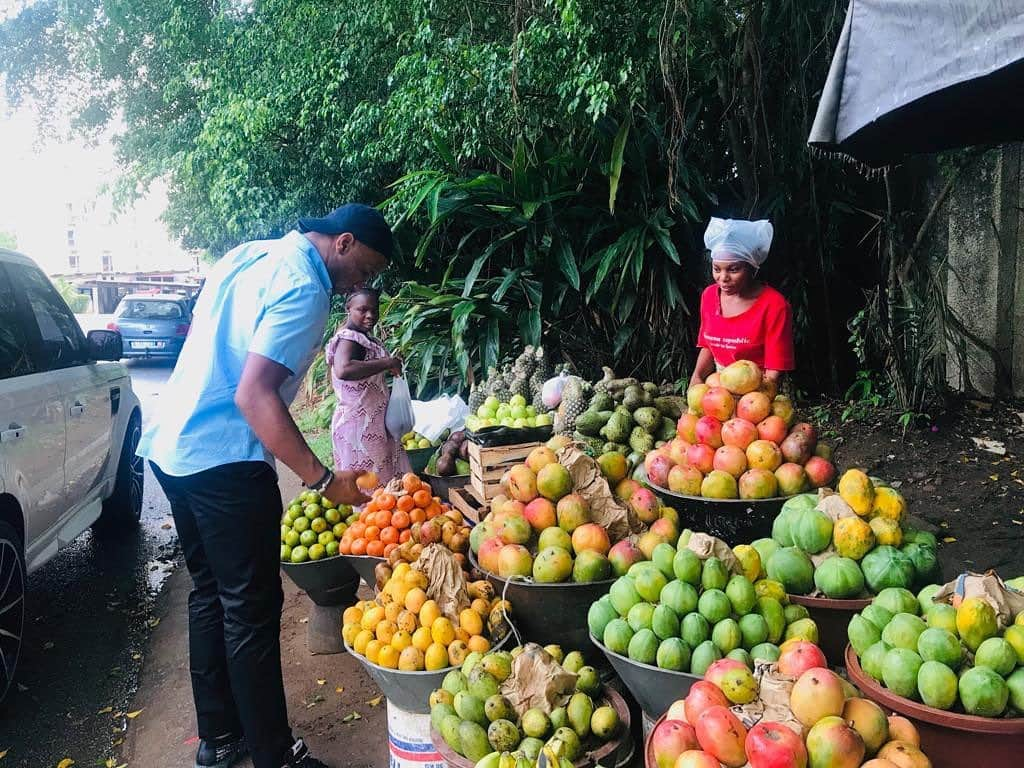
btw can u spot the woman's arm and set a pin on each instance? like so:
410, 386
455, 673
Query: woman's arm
704, 366
350, 363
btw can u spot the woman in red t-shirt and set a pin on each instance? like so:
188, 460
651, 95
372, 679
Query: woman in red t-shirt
741, 318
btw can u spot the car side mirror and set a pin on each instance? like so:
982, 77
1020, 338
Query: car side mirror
105, 345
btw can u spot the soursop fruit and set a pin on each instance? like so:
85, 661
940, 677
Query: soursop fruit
601, 401
671, 407
589, 423
592, 446
667, 431
632, 397
641, 441
618, 428
647, 417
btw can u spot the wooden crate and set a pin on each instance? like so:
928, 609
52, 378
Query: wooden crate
487, 465
465, 502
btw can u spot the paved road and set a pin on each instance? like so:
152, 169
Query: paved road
88, 616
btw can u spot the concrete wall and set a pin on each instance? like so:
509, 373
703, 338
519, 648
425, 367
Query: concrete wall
985, 281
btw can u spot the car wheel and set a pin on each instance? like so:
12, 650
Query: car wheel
124, 507
12, 604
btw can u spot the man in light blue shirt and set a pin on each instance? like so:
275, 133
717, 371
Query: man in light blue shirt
223, 419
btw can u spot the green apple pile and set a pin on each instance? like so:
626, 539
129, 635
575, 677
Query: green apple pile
680, 613
312, 526
414, 441
948, 658
476, 721
516, 413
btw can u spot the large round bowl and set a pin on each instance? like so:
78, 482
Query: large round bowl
832, 618
608, 754
734, 521
419, 458
331, 581
550, 613
364, 565
653, 688
950, 739
408, 690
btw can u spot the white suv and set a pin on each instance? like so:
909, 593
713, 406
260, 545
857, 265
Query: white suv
69, 426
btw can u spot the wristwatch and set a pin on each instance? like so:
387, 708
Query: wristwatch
325, 480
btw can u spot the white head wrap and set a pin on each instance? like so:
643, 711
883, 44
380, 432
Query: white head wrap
739, 240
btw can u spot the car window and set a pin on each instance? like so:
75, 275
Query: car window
60, 343
15, 351
149, 309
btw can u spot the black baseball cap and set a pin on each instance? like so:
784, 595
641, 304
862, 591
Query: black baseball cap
365, 223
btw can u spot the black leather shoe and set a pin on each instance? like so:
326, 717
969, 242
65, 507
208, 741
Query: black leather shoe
222, 752
298, 757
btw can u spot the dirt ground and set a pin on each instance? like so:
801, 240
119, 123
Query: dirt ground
971, 498
323, 691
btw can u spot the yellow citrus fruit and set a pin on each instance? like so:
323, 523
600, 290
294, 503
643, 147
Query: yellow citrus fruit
471, 621
442, 631
414, 599
399, 592
887, 531
436, 657
352, 615
361, 639
479, 644
441, 696
415, 579
373, 650
421, 638
481, 606
401, 640
385, 631
411, 660
388, 657
407, 621
385, 597
372, 617
1019, 621
889, 503
1014, 635
461, 634
428, 613
391, 611
457, 653
400, 570
349, 633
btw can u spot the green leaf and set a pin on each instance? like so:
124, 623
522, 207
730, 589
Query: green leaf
615, 171
529, 326
471, 276
567, 262
622, 337
519, 168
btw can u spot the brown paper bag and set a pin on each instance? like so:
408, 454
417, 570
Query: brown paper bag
833, 505
446, 581
988, 586
772, 702
704, 545
605, 510
537, 681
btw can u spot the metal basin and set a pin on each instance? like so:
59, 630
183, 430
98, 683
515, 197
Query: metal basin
441, 484
364, 565
949, 739
608, 754
550, 613
653, 688
408, 690
419, 458
832, 618
328, 582
734, 521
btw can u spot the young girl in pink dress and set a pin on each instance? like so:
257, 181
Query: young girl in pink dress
358, 363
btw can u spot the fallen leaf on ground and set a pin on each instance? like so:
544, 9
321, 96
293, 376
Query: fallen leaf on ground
166, 526
152, 623
133, 715
992, 446
340, 689
321, 681
374, 702
3, 754
67, 762
136, 656
949, 539
351, 716
105, 711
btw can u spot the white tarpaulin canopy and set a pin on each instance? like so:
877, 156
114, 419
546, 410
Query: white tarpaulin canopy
912, 76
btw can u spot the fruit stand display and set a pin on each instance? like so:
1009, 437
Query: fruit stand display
312, 527
420, 449
666, 620
832, 552
509, 708
448, 468
806, 715
951, 659
426, 619
548, 543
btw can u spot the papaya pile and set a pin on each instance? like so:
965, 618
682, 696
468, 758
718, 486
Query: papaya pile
948, 658
860, 542
681, 613
827, 724
473, 715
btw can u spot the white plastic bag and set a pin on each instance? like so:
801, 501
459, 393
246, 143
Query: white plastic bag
433, 417
399, 417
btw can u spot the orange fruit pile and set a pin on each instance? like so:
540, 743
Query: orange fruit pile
386, 519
